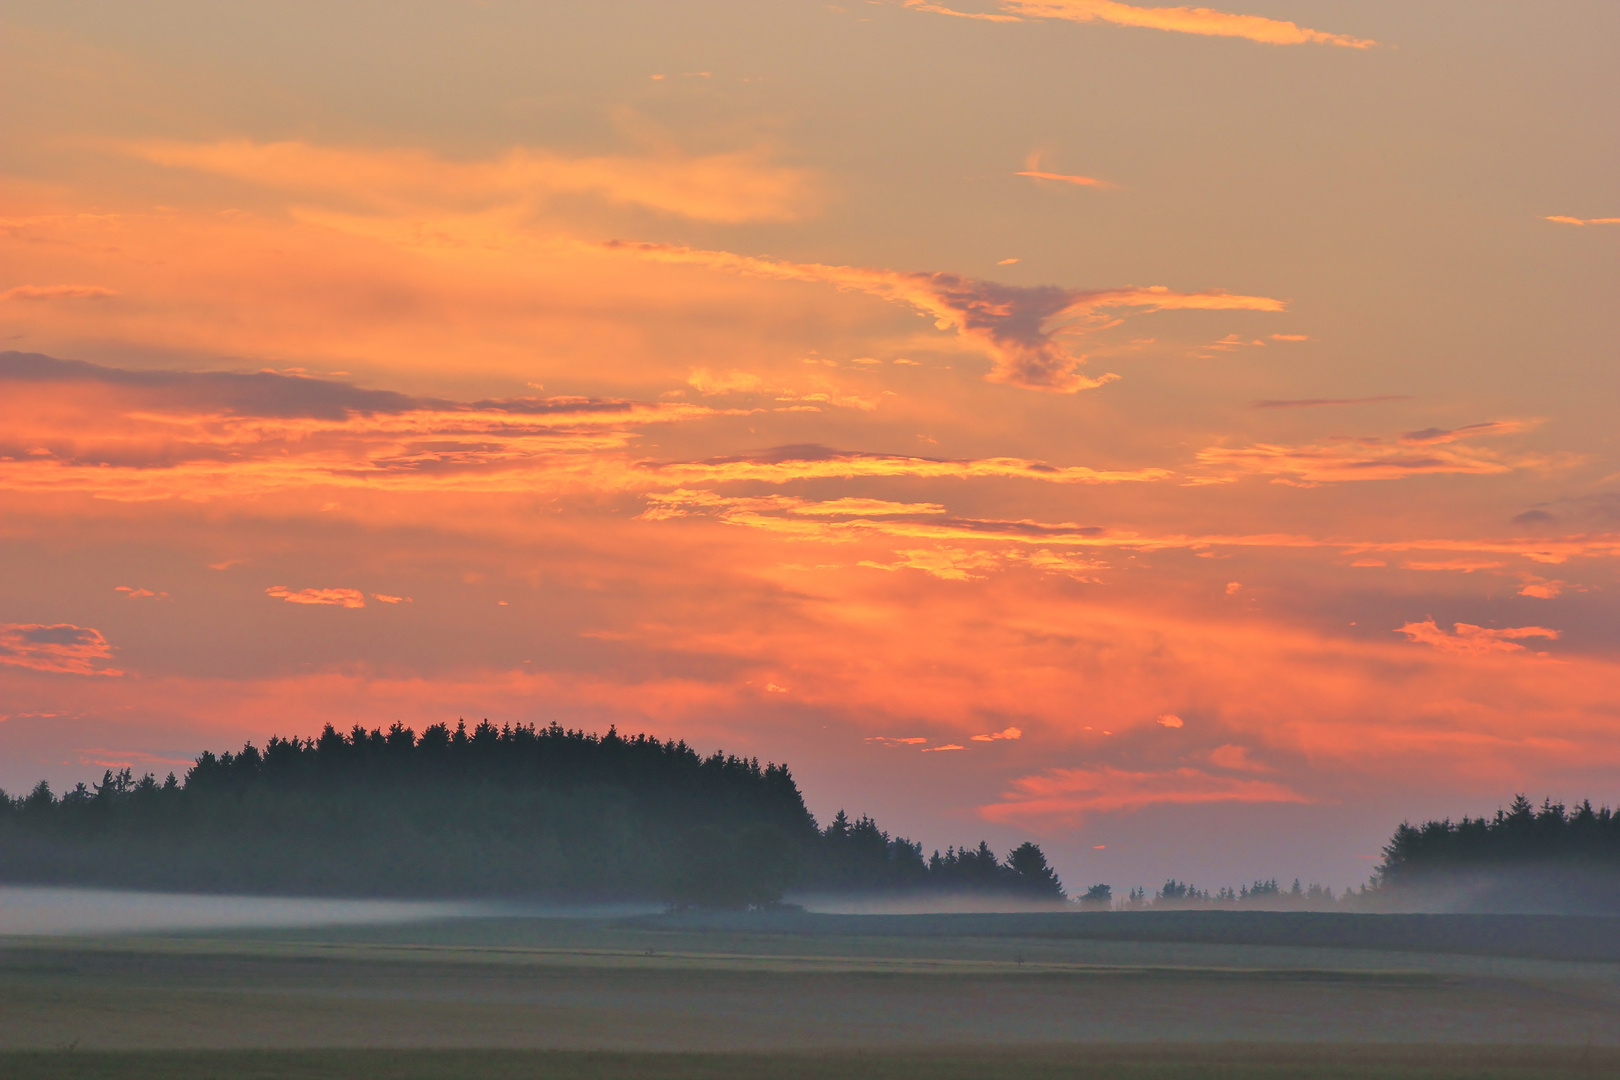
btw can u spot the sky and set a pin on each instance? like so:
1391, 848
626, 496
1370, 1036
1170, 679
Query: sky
1183, 437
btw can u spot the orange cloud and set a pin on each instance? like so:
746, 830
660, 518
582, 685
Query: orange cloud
1467, 639
1585, 221
1033, 169
805, 462
60, 648
733, 187
1013, 324
1078, 181
1065, 796
1315, 403
384, 598
118, 434
770, 514
1346, 459
997, 736
56, 292
349, 598
1183, 20
940, 9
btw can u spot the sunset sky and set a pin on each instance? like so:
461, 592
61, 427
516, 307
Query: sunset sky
1184, 437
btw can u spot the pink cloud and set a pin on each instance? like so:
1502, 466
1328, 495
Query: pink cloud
59, 647
349, 598
1466, 639
1183, 20
1065, 796
996, 736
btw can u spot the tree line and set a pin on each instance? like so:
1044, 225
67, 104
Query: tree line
1550, 857
517, 810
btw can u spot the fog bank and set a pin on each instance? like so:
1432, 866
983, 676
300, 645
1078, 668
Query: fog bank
42, 910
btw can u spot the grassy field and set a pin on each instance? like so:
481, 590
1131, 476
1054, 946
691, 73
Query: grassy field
749, 997
1102, 1062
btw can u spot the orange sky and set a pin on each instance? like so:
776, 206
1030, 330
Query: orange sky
1183, 436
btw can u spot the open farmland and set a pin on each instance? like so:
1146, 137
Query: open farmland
972, 996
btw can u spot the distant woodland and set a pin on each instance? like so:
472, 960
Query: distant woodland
529, 811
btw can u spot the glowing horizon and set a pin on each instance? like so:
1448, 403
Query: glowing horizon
1212, 487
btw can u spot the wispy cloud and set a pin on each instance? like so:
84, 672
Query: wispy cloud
1014, 324
999, 736
1034, 169
146, 435
1343, 459
1078, 181
811, 461
1183, 20
348, 598
731, 187
1066, 796
1584, 221
1469, 640
1317, 403
61, 648
56, 292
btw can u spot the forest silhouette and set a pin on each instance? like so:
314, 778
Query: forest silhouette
543, 812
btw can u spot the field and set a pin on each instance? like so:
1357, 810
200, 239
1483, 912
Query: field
784, 996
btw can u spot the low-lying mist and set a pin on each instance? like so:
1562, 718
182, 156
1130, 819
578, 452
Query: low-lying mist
29, 910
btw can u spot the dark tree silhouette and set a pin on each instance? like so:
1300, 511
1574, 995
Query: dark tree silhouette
514, 810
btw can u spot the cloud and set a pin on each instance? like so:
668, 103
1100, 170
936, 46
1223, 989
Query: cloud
1014, 324
1170, 720
1316, 403
1467, 639
1184, 20
997, 736
1078, 181
994, 537
1543, 590
705, 381
1466, 566
56, 292
148, 435
1585, 221
807, 461
1033, 169
1067, 795
940, 9
349, 598
889, 740
1437, 436
732, 187
947, 746
384, 598
59, 647
857, 507
947, 564
1231, 756
1345, 459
